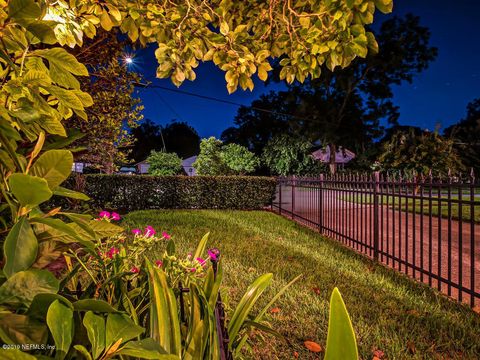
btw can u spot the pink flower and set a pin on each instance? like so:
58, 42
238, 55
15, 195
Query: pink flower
104, 214
149, 231
158, 263
115, 216
193, 270
136, 231
166, 235
200, 261
112, 252
134, 270
214, 254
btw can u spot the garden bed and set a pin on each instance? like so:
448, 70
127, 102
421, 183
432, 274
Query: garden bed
390, 313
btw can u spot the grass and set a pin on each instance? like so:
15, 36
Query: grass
416, 205
390, 312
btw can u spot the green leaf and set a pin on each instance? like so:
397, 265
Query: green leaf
23, 286
145, 349
54, 166
63, 60
341, 343
59, 225
23, 11
385, 6
95, 326
22, 329
42, 32
61, 191
41, 302
60, 323
83, 351
120, 326
242, 311
93, 305
14, 354
164, 320
201, 246
20, 248
29, 190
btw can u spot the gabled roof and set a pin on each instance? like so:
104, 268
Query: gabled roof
342, 155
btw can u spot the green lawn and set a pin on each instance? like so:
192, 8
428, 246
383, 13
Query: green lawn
389, 312
416, 206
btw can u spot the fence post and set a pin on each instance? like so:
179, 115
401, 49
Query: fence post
376, 190
320, 206
280, 196
293, 196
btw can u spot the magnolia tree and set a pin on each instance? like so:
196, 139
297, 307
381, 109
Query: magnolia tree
40, 89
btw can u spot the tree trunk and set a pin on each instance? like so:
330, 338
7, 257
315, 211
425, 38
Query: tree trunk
332, 159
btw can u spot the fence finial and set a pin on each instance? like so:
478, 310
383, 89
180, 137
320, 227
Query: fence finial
472, 174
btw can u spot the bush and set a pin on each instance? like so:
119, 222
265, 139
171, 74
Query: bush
164, 163
128, 193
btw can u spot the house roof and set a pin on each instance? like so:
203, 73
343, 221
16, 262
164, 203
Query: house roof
342, 155
188, 162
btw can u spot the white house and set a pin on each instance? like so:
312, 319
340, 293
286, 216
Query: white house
342, 156
187, 165
142, 167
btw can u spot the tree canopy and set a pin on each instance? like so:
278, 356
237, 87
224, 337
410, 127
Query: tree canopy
344, 107
466, 135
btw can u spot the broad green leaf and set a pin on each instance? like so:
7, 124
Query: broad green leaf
83, 351
341, 343
23, 11
60, 323
59, 225
201, 246
145, 349
29, 190
41, 302
120, 326
242, 311
54, 166
104, 228
63, 60
61, 191
20, 248
164, 318
93, 305
41, 32
23, 286
22, 329
95, 326
14, 354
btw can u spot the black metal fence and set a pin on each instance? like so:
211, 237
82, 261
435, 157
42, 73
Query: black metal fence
425, 227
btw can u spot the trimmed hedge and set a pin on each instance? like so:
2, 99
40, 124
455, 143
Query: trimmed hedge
130, 192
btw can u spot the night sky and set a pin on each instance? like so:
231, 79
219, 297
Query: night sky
438, 96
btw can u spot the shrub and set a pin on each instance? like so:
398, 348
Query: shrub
164, 163
128, 193
218, 159
239, 159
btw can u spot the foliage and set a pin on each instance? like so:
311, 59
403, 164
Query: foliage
178, 192
345, 107
115, 109
238, 159
177, 137
286, 155
428, 151
164, 163
210, 160
256, 242
466, 134
215, 158
40, 89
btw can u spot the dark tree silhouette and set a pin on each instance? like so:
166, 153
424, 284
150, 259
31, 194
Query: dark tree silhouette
466, 135
177, 137
347, 107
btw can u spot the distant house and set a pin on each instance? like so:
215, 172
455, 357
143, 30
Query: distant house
142, 167
342, 155
187, 166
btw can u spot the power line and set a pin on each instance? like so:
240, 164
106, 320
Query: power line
211, 98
